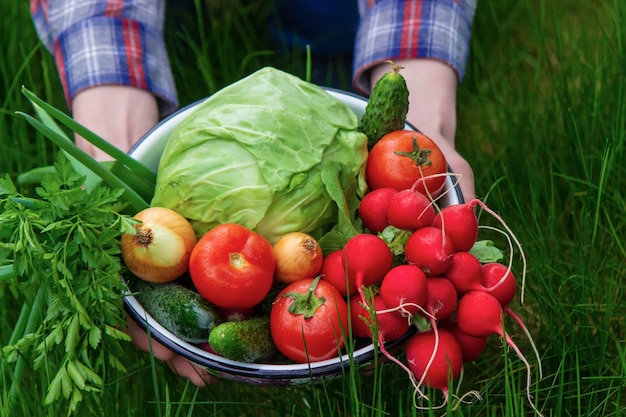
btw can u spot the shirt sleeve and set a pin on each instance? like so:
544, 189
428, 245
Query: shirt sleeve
107, 42
402, 29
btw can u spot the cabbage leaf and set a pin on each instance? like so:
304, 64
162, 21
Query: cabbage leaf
257, 152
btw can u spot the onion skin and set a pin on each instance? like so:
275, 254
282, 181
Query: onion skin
298, 256
160, 250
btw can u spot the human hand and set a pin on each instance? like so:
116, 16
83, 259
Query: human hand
178, 364
458, 165
432, 88
119, 114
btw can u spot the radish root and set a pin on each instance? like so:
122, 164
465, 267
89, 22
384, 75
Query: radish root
511, 234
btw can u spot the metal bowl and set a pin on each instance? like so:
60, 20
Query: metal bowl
148, 151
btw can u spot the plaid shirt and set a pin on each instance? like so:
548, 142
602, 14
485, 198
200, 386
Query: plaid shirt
97, 42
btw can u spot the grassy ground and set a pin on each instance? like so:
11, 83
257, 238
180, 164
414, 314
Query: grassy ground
541, 119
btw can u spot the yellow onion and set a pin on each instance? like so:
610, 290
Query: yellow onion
298, 256
159, 251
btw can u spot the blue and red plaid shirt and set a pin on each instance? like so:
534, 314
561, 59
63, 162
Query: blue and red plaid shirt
96, 42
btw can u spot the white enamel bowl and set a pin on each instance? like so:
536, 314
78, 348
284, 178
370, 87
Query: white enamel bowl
148, 150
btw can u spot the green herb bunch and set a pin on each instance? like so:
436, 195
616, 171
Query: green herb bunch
63, 246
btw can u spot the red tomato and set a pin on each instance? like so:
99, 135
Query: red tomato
308, 320
402, 157
232, 266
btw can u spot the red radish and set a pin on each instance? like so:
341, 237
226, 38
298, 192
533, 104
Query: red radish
480, 314
359, 318
472, 346
410, 210
430, 249
441, 302
390, 324
510, 236
492, 282
500, 283
373, 208
368, 258
442, 298
465, 272
334, 271
460, 223
404, 287
435, 358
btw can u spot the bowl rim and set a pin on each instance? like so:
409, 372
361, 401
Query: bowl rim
259, 373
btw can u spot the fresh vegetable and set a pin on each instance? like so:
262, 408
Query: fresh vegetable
373, 209
334, 271
498, 280
389, 324
405, 287
387, 106
471, 346
360, 319
277, 183
298, 256
492, 275
510, 237
160, 248
179, 309
465, 272
435, 358
309, 321
441, 300
410, 210
430, 249
367, 258
248, 340
401, 158
266, 152
64, 244
480, 314
94, 172
232, 266
460, 223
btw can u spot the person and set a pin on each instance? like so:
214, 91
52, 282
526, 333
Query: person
115, 72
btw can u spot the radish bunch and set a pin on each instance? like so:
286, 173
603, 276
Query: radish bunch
434, 281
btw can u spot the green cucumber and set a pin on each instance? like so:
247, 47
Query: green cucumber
179, 309
387, 107
248, 340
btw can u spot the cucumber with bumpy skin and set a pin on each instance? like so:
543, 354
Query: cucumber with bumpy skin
179, 309
387, 106
248, 340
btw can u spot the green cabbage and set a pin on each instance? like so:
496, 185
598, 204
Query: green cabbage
271, 152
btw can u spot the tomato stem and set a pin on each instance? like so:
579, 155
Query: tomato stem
305, 304
421, 156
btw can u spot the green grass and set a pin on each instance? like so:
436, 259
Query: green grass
542, 120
